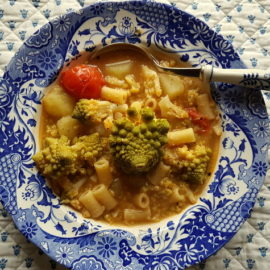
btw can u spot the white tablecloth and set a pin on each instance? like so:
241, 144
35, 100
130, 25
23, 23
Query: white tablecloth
246, 23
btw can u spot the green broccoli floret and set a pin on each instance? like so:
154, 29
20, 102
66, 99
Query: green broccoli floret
59, 158
137, 148
92, 110
193, 163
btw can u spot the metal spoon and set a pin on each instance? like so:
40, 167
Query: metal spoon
251, 78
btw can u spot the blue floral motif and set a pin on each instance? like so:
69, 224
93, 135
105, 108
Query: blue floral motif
199, 30
261, 225
4, 236
3, 263
226, 262
250, 263
29, 230
40, 38
119, 233
261, 201
64, 255
263, 251
28, 262
47, 60
228, 186
232, 99
98, 9
16, 250
33, 191
261, 129
238, 250
62, 23
70, 217
22, 35
106, 247
228, 143
161, 265
24, 13
250, 237
259, 168
88, 263
5, 93
124, 32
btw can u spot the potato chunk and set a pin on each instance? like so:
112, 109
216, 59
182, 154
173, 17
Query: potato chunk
172, 85
58, 103
69, 127
119, 69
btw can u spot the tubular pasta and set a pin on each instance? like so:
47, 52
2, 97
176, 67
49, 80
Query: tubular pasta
103, 171
136, 215
176, 196
115, 95
151, 103
190, 196
103, 195
91, 204
159, 173
141, 200
178, 137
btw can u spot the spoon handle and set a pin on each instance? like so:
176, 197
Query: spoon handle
251, 78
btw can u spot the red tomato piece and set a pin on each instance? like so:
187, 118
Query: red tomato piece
193, 113
82, 81
199, 120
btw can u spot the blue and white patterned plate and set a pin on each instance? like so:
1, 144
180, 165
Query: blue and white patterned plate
178, 241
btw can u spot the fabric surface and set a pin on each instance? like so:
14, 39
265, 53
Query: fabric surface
245, 23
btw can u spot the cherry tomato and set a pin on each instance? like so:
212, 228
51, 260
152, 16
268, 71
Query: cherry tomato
199, 120
82, 81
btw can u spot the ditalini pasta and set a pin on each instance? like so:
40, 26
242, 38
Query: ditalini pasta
183, 136
116, 95
134, 215
151, 103
128, 144
176, 195
91, 204
141, 200
159, 173
103, 171
104, 196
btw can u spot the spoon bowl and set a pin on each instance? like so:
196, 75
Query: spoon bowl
251, 78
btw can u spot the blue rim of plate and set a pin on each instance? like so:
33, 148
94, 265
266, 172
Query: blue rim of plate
176, 242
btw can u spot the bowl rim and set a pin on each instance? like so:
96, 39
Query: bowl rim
86, 8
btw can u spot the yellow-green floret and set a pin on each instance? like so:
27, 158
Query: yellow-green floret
92, 110
136, 149
192, 165
89, 147
59, 158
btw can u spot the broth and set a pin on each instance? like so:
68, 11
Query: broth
137, 198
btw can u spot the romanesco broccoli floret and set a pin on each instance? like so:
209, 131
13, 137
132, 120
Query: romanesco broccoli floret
193, 163
89, 148
59, 158
92, 110
136, 149
147, 114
